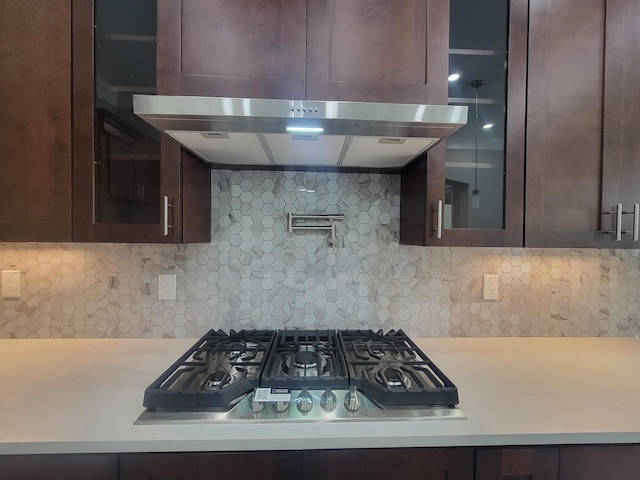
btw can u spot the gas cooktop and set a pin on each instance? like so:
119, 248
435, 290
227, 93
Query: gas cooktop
301, 375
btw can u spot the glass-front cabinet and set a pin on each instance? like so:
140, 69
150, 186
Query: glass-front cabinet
474, 184
127, 149
475, 154
128, 179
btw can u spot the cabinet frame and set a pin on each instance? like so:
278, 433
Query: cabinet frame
423, 181
176, 168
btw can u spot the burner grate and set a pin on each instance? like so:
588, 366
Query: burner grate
217, 370
310, 358
393, 371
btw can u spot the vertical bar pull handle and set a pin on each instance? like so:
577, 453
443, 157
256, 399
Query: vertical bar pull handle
166, 226
636, 221
438, 209
618, 222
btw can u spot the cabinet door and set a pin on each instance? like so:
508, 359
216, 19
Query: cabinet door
211, 466
621, 142
231, 48
383, 464
564, 123
599, 462
538, 463
377, 51
446, 176
124, 171
59, 467
35, 120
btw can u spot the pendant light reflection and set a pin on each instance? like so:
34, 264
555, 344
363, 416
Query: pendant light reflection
475, 193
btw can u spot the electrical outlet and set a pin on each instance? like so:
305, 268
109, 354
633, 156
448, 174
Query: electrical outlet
490, 287
11, 283
167, 286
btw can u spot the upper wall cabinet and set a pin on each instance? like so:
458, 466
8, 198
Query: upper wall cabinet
361, 50
471, 191
232, 48
376, 50
583, 150
130, 183
35, 120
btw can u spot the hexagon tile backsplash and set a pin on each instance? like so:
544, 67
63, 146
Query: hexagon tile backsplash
256, 274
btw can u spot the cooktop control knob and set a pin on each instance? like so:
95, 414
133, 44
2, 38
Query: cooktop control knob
254, 405
328, 400
280, 406
352, 400
304, 401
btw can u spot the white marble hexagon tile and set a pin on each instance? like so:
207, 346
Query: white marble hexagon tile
255, 274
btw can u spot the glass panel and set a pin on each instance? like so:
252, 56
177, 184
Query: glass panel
127, 171
475, 163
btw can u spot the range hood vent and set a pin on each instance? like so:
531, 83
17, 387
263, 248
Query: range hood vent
300, 133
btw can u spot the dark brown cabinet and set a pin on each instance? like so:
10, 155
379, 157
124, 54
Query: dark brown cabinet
619, 462
381, 51
329, 50
130, 184
428, 216
204, 466
582, 118
382, 464
590, 462
35, 120
230, 48
533, 463
59, 467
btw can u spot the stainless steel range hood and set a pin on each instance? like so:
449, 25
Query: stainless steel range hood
259, 132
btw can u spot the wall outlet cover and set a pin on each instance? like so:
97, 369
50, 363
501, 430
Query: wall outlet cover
167, 286
11, 283
490, 287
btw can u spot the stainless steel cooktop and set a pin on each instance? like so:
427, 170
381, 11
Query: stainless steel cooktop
301, 376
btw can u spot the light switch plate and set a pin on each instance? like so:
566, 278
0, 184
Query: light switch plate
490, 287
10, 283
167, 286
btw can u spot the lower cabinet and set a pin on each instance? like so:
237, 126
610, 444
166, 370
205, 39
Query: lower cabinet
616, 462
204, 466
59, 467
388, 463
596, 462
535, 463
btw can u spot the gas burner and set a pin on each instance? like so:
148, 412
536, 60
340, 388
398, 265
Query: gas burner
217, 380
393, 377
306, 357
304, 363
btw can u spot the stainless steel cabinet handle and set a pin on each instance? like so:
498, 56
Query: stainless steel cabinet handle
618, 222
636, 221
166, 225
438, 209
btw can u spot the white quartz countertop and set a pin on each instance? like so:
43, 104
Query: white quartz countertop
63, 396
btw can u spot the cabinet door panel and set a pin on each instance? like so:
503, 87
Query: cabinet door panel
423, 182
517, 464
600, 462
564, 123
621, 148
231, 48
35, 120
205, 466
382, 464
365, 50
59, 467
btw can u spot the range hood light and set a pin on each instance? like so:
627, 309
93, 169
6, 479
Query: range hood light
305, 129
